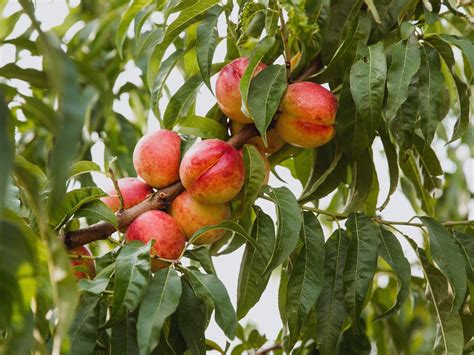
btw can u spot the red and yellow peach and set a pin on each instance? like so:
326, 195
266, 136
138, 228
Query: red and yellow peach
308, 113
192, 215
82, 268
156, 158
133, 192
212, 171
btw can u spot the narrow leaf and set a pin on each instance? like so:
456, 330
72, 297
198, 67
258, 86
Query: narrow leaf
391, 155
199, 126
206, 42
466, 242
124, 336
431, 83
264, 95
289, 221
405, 64
391, 251
252, 281
132, 271
99, 211
361, 263
85, 328
367, 80
82, 167
330, 309
159, 301
306, 278
448, 256
125, 21
6, 147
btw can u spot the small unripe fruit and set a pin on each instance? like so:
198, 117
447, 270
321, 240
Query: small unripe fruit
156, 158
82, 268
212, 171
308, 113
228, 88
133, 192
192, 215
168, 236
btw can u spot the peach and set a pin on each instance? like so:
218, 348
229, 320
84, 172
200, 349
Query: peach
275, 143
192, 215
228, 88
133, 192
156, 158
308, 113
82, 268
212, 171
160, 226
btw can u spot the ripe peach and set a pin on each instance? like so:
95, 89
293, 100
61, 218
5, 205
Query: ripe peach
275, 143
192, 215
308, 112
133, 192
82, 268
156, 158
212, 171
157, 225
228, 88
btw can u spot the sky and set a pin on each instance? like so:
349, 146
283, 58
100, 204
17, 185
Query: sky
265, 314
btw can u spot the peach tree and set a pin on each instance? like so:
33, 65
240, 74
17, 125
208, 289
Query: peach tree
290, 131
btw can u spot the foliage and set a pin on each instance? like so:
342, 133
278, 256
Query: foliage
402, 71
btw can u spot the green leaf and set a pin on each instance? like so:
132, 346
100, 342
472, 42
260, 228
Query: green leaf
271, 17
361, 263
430, 166
6, 147
206, 42
34, 77
404, 65
99, 211
228, 226
259, 52
252, 280
306, 278
124, 336
462, 124
82, 167
391, 155
351, 131
466, 242
254, 176
330, 309
264, 96
391, 251
467, 49
85, 328
43, 113
449, 331
159, 302
100, 282
367, 82
210, 286
289, 221
125, 20
203, 256
199, 126
185, 19
448, 256
430, 84
363, 172
72, 202
132, 272
193, 315
148, 41
181, 101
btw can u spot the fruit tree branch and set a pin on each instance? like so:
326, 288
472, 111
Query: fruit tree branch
157, 201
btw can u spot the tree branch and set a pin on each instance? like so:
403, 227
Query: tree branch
157, 201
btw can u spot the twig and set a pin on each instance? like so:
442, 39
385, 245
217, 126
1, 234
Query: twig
265, 351
117, 189
78, 256
157, 201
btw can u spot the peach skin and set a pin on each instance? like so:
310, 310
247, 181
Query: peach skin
133, 192
308, 113
212, 171
192, 215
156, 158
160, 226
82, 268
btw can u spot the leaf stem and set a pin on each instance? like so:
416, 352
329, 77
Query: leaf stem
117, 189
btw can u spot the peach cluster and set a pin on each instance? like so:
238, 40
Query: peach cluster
307, 110
212, 172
